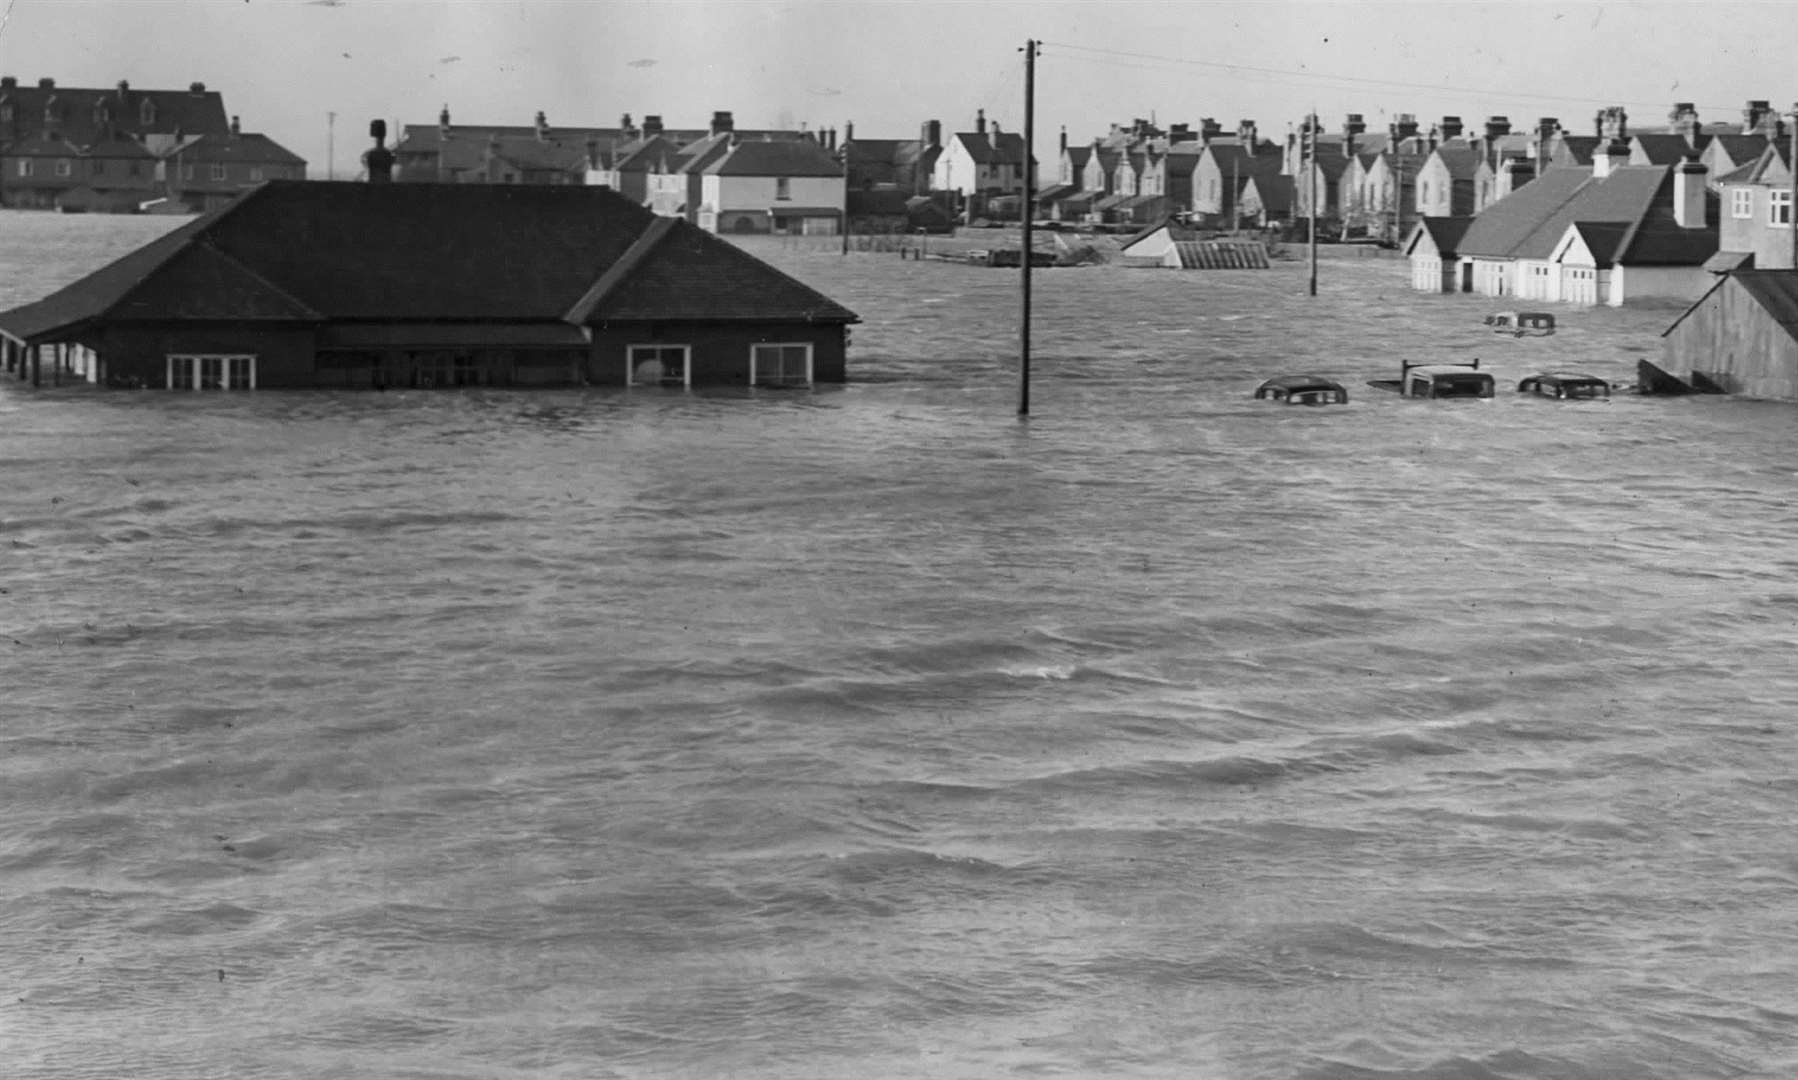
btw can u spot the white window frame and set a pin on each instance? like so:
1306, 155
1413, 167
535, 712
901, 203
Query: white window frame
188, 371
755, 350
630, 362
1741, 202
1779, 208
218, 172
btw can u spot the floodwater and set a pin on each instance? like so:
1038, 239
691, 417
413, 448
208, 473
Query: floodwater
870, 731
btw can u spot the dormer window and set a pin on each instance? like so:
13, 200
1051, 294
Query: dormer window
146, 113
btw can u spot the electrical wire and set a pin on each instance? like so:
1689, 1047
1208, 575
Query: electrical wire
1308, 79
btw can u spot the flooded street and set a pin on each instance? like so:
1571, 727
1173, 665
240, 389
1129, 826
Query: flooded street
872, 731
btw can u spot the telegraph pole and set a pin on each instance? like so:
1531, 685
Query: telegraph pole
1028, 204
330, 146
1311, 183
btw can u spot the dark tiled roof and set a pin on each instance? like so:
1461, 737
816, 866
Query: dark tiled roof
1658, 239
1663, 149
1741, 148
1009, 148
1460, 161
1504, 226
756, 158
692, 274
1444, 232
1576, 149
1603, 239
193, 112
245, 147
1275, 191
38, 146
1776, 291
302, 250
1078, 156
120, 148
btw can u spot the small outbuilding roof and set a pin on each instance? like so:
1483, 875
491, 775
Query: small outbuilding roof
1775, 291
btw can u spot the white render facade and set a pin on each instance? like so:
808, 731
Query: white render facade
812, 205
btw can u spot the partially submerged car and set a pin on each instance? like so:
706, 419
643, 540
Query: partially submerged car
1303, 390
1564, 384
1520, 323
1441, 380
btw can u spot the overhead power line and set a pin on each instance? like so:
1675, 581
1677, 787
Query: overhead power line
1312, 79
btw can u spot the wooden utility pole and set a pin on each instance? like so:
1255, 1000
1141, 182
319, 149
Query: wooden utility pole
1311, 184
1792, 208
1029, 242
330, 146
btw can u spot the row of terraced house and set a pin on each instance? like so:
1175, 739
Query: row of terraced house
124, 149
1610, 217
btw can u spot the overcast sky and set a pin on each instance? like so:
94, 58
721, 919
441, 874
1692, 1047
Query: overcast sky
888, 65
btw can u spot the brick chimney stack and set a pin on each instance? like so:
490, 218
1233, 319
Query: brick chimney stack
378, 160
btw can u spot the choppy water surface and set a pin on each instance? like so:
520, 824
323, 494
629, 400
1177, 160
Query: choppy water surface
871, 732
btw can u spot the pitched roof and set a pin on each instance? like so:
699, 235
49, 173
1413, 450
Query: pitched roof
1775, 291
311, 250
1077, 156
1741, 148
756, 158
1002, 148
39, 146
86, 115
1460, 161
1575, 149
120, 147
245, 147
1661, 148
1504, 226
1444, 232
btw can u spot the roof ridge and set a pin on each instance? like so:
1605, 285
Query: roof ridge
619, 271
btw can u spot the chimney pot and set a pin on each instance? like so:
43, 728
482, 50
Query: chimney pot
378, 160
46, 84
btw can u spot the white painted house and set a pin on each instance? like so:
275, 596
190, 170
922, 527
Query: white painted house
764, 186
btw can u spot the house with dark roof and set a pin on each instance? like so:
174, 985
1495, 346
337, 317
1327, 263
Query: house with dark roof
1434, 253
902, 164
980, 165
1610, 234
762, 186
311, 284
1223, 171
40, 125
1740, 337
1658, 251
208, 171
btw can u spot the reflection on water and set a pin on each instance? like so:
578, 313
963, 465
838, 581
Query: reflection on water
872, 731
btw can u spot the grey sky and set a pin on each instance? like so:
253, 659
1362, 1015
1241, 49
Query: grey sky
887, 65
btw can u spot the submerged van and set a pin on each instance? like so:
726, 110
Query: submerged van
1520, 323
1442, 380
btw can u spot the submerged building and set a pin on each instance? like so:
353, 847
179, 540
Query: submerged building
316, 284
